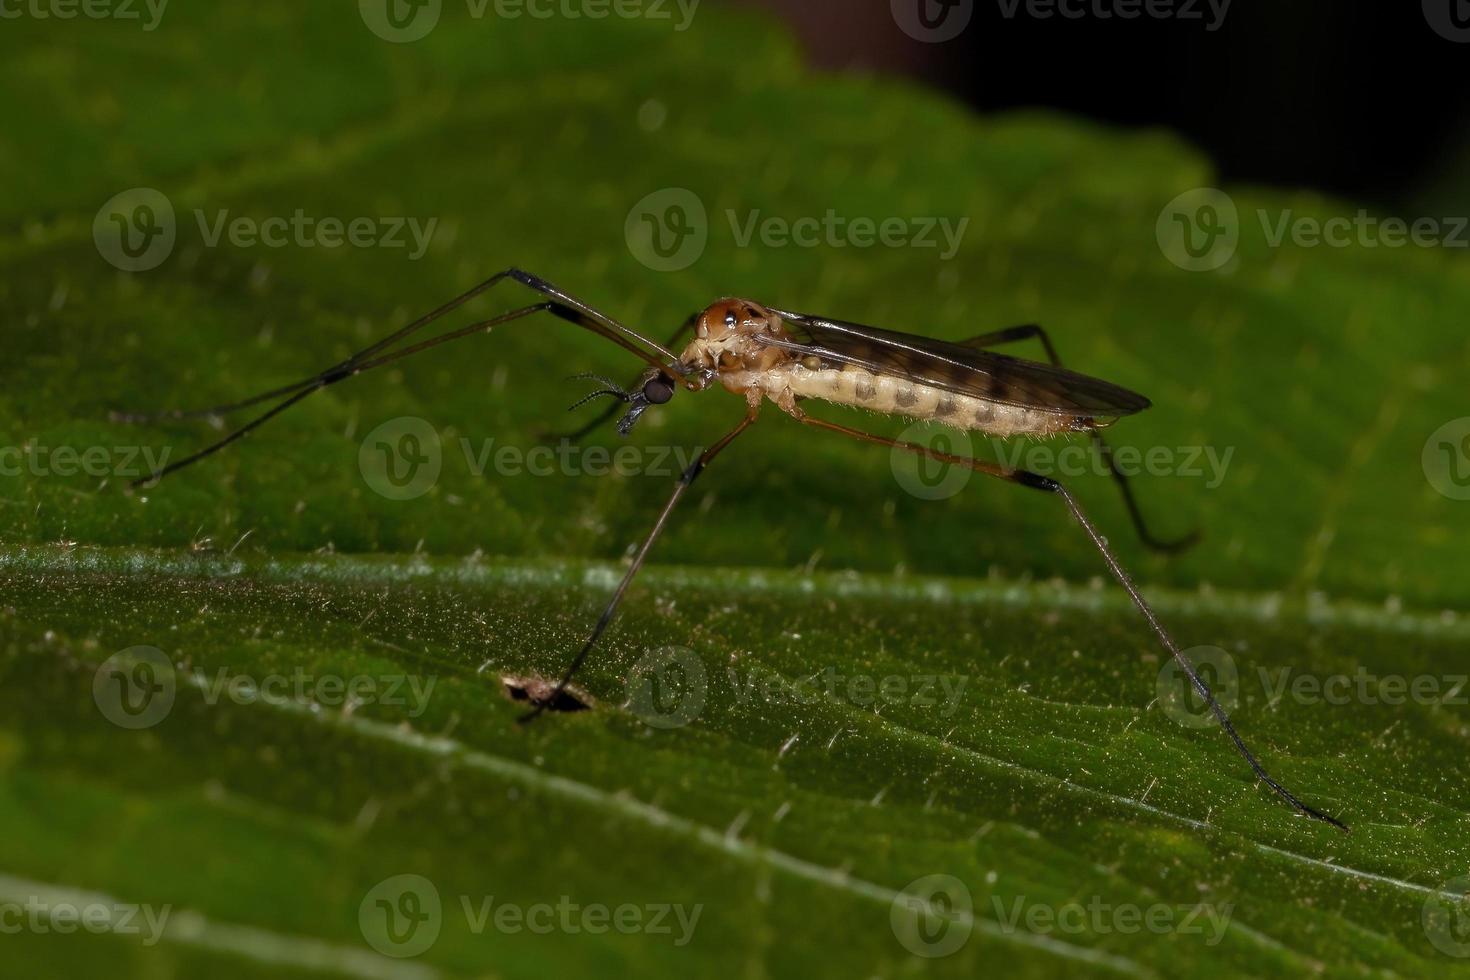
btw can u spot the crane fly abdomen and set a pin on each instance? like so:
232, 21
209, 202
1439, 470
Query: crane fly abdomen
753, 350
858, 387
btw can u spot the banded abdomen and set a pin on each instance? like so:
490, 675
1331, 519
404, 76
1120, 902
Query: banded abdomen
857, 387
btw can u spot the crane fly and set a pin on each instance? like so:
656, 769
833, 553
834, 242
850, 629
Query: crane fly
763, 353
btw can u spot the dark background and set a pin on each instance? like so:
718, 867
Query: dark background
1361, 98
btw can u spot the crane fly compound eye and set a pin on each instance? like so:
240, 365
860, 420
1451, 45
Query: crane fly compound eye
658, 390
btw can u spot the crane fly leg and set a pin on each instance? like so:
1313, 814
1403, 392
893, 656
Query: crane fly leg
557, 303
1030, 331
1038, 482
686, 479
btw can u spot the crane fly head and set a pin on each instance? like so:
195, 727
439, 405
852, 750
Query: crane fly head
726, 338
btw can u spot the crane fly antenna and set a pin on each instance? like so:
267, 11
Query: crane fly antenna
609, 388
611, 411
559, 303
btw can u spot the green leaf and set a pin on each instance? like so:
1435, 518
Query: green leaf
877, 687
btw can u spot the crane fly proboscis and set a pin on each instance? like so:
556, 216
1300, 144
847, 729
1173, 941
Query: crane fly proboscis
763, 353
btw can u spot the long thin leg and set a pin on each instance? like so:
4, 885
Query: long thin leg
1028, 331
310, 386
1037, 482
559, 304
613, 408
685, 480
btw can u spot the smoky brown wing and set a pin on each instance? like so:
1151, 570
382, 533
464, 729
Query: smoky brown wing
953, 367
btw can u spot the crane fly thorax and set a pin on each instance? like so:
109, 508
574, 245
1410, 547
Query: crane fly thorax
727, 339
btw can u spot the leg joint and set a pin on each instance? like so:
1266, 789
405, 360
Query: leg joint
1035, 481
693, 471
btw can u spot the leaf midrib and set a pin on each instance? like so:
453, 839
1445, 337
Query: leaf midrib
1096, 596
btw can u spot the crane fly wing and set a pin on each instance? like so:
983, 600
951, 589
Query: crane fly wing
953, 367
